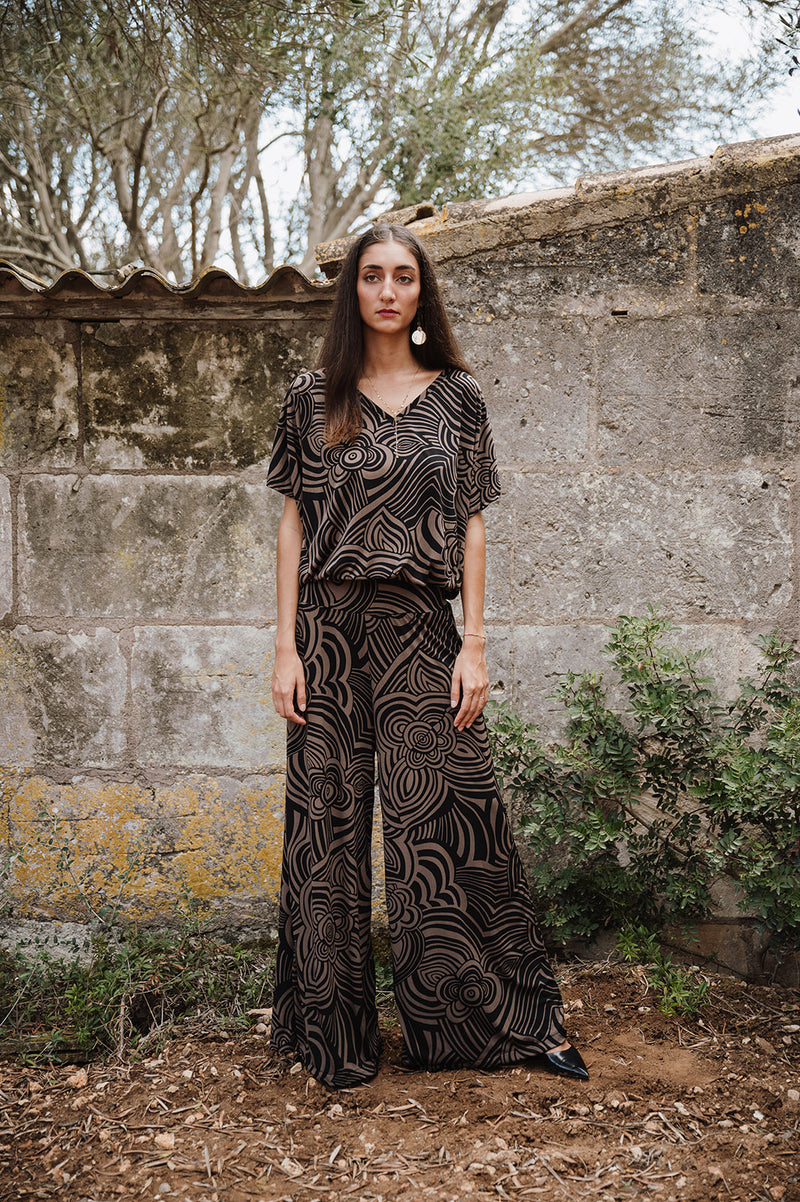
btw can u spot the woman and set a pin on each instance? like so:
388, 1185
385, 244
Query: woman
385, 460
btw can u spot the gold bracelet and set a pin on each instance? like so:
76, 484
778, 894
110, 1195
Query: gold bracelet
470, 635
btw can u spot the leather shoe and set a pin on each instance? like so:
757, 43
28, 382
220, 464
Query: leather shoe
567, 1063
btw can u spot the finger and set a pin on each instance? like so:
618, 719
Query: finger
455, 689
464, 714
477, 705
300, 689
477, 710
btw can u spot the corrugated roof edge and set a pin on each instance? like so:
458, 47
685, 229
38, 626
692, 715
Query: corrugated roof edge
479, 225
285, 283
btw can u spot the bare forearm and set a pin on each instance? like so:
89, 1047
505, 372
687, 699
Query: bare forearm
288, 676
288, 588
474, 582
470, 684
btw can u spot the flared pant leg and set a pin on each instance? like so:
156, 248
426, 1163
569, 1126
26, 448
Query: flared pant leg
324, 1006
472, 979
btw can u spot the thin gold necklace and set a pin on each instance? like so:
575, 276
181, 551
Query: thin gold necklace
394, 413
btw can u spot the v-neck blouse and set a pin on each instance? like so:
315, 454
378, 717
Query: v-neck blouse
376, 509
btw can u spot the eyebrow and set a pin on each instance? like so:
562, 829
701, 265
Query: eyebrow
379, 267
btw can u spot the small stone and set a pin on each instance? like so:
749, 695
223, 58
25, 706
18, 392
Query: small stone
291, 1168
793, 1095
165, 1140
165, 1188
765, 1045
187, 1074
777, 1192
261, 1028
78, 1080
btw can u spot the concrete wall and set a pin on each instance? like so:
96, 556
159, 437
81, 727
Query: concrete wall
637, 339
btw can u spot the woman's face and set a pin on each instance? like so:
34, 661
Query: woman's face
388, 287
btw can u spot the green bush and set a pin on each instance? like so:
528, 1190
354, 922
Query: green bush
133, 987
632, 818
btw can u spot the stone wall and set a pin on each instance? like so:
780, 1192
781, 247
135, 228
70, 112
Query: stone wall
637, 338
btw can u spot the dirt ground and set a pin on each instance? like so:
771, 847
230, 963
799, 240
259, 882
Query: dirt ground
707, 1108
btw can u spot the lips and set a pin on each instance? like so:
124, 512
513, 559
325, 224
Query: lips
387, 313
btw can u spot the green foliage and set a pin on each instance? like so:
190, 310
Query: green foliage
135, 131
677, 990
132, 988
634, 816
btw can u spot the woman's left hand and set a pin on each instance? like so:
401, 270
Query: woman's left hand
470, 683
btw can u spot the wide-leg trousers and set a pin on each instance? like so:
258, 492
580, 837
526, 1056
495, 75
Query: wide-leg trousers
472, 981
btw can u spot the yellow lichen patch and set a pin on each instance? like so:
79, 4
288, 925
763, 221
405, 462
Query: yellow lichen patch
82, 848
226, 845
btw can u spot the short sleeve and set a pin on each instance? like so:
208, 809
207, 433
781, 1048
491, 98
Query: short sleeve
285, 473
479, 482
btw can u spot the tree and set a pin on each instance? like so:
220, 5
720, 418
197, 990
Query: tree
133, 131
130, 132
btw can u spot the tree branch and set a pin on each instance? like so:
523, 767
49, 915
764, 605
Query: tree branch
586, 18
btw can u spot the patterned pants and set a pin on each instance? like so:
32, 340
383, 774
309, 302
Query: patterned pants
472, 981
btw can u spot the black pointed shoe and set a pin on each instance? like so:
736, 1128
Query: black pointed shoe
568, 1063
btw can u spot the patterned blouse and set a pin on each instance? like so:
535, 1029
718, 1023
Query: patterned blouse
394, 502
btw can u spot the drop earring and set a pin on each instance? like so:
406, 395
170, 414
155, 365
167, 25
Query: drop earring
419, 336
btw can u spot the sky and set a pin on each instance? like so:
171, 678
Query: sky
780, 112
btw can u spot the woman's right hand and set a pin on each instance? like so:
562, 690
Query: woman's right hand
289, 685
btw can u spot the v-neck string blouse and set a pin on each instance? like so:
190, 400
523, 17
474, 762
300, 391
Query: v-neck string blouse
393, 504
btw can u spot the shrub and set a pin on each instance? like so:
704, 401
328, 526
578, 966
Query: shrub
635, 814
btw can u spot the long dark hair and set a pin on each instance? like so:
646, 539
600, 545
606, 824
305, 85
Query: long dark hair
342, 354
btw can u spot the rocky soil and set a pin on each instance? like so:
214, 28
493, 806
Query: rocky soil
676, 1109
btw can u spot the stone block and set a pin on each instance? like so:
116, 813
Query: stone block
749, 246
202, 698
62, 698
499, 519
38, 397
6, 543
222, 840
541, 655
199, 844
697, 391
131, 546
537, 378
499, 661
182, 395
515, 281
700, 545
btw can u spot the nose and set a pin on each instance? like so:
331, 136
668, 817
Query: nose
387, 289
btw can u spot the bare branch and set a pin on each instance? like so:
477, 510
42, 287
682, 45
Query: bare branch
589, 17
